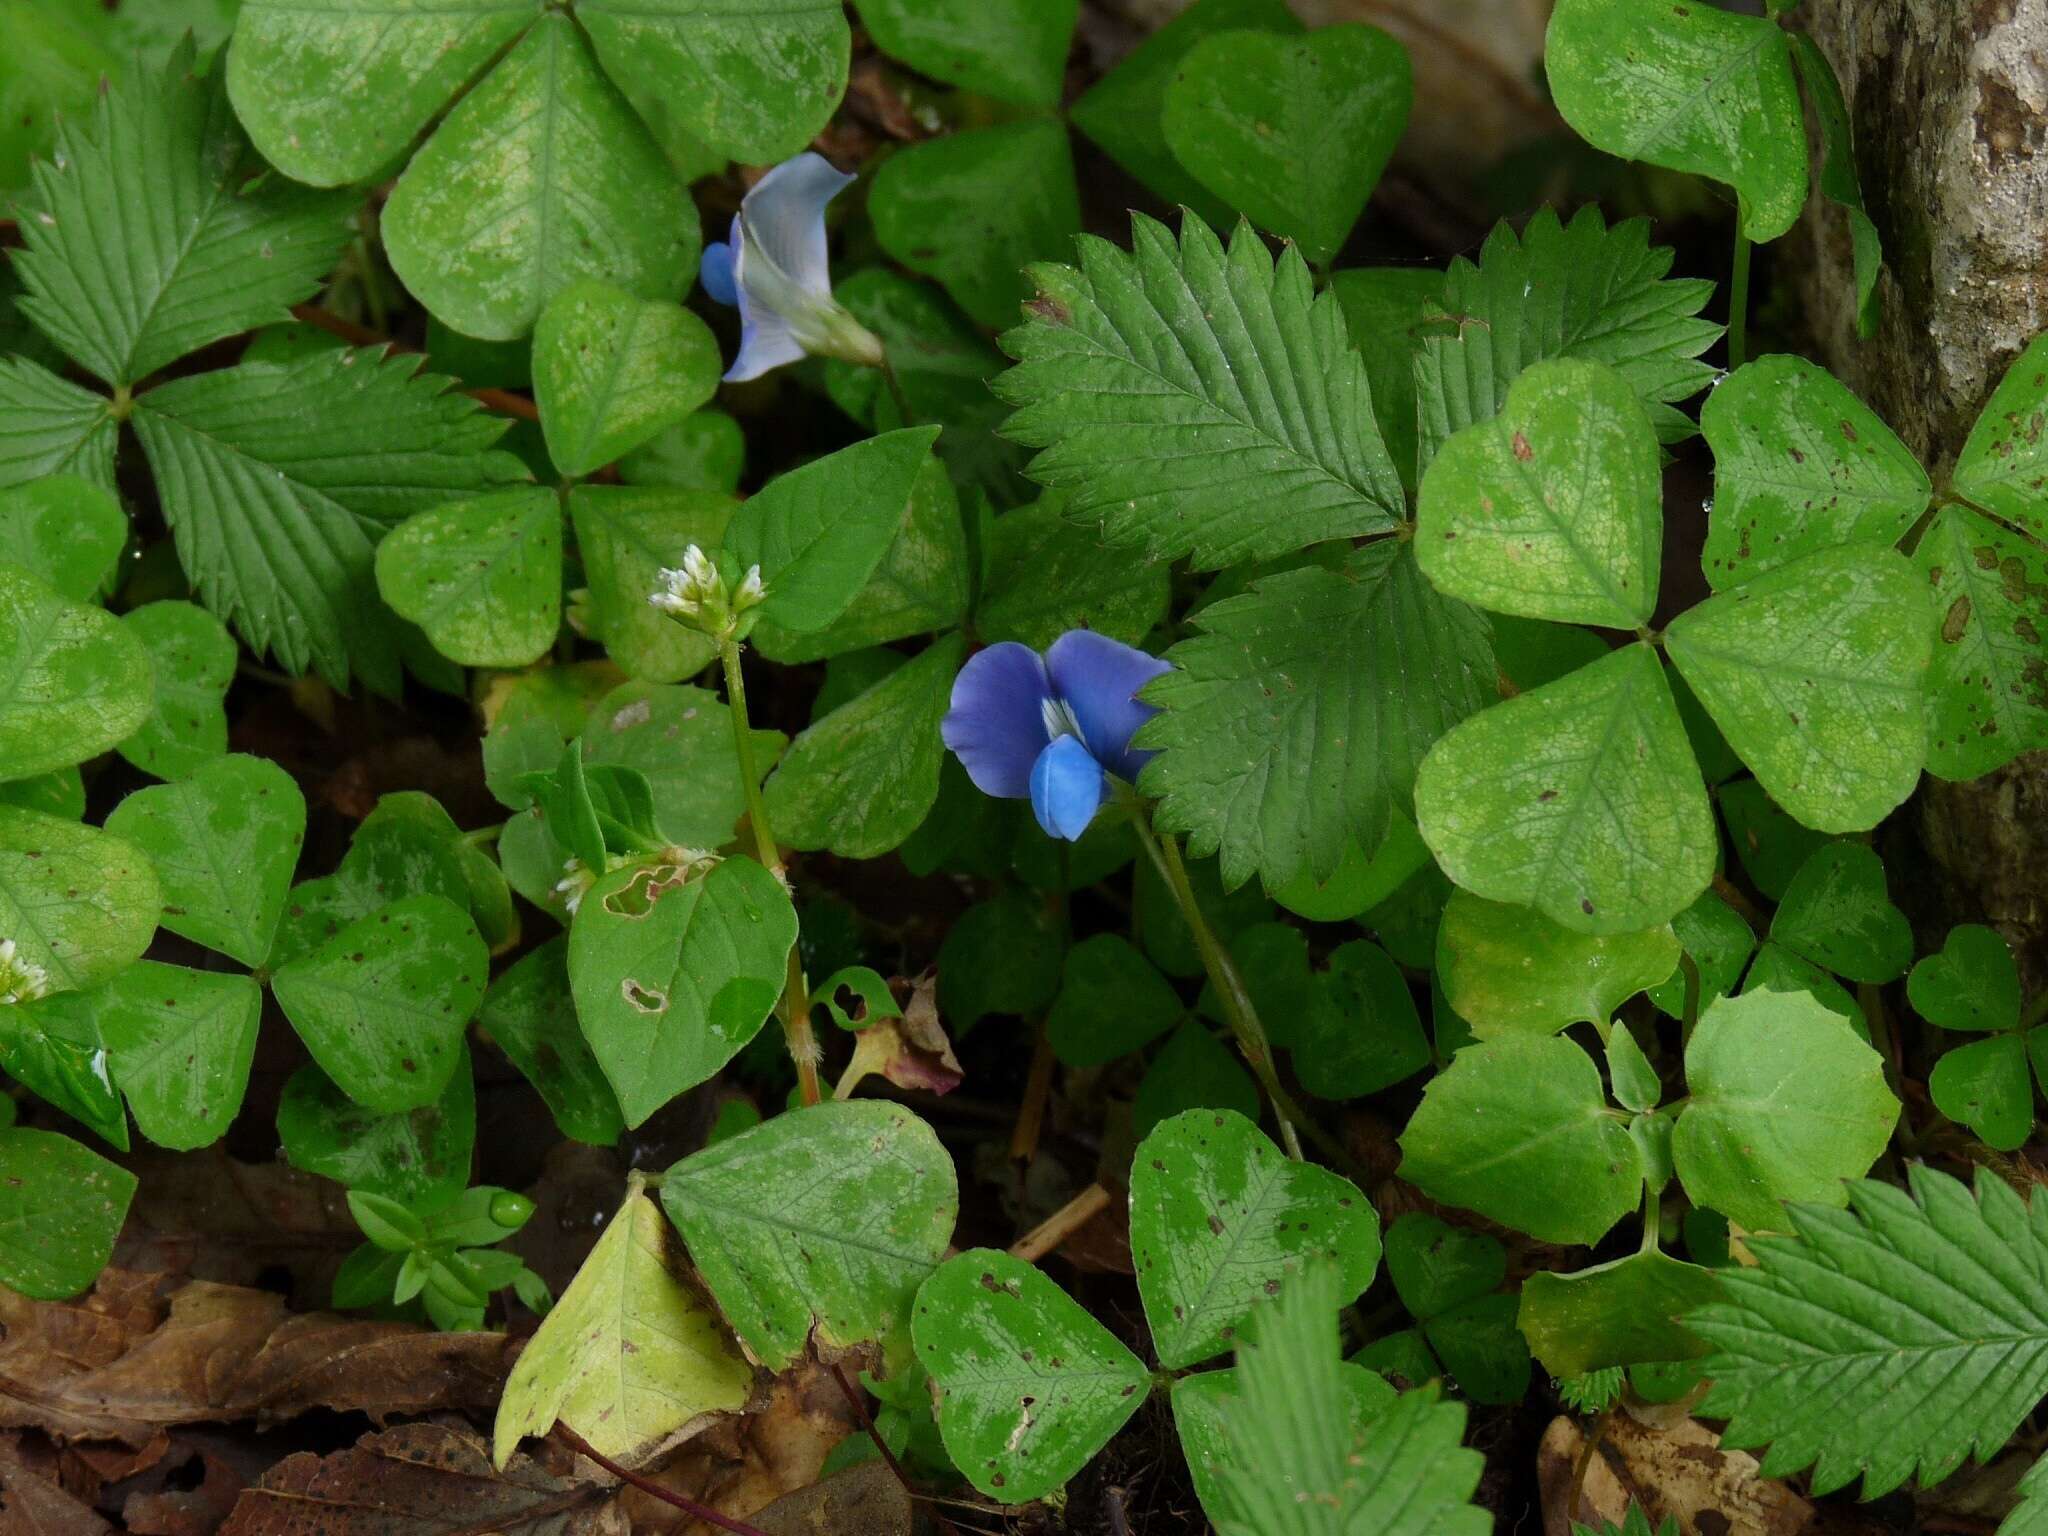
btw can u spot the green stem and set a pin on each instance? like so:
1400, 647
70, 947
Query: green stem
796, 1003
1238, 1010
1738, 303
483, 835
895, 387
1691, 968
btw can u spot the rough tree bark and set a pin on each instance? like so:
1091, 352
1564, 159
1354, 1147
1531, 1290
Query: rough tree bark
1950, 104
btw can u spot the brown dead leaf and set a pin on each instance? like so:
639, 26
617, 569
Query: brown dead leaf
186, 1511
1676, 1471
865, 1500
34, 1506
204, 1352
910, 1050
422, 1480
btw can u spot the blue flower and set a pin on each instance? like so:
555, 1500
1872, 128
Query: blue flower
774, 269
1051, 728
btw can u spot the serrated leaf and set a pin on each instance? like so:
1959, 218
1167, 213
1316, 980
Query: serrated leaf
859, 781
2002, 464
611, 371
681, 739
1580, 290
1904, 1334
974, 209
1987, 688
63, 530
384, 1003
483, 578
818, 532
531, 1016
1013, 50
822, 1222
1580, 799
1814, 673
1292, 726
1047, 575
1198, 403
628, 1356
420, 1157
1293, 132
1518, 1130
2030, 1516
79, 903
1624, 1312
1838, 914
1220, 1219
1552, 509
73, 681
1507, 968
1028, 1385
1199, 1403
49, 426
1690, 88
180, 1043
1299, 1465
224, 842
752, 80
672, 975
1786, 1103
331, 93
194, 658
1800, 464
539, 177
61, 1206
278, 482
144, 245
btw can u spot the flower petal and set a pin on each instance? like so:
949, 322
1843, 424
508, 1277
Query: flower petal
715, 273
997, 724
783, 218
766, 342
1066, 788
1098, 678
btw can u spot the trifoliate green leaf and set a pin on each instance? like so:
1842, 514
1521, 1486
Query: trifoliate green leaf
144, 244
64, 530
1972, 982
629, 1355
1013, 50
1720, 941
531, 1016
1112, 1001
482, 578
611, 371
53, 1046
420, 1157
1786, 1103
224, 842
1578, 290
1838, 180
49, 426
384, 1003
61, 1207
2001, 466
1690, 88
1904, 1334
1047, 575
1552, 509
1814, 672
1518, 1130
73, 681
79, 904
1029, 1386
673, 973
180, 1043
194, 659
1800, 464
565, 182
1292, 725
1220, 1219
1987, 690
1292, 132
1198, 403
821, 1223
278, 483
860, 780
1580, 799
1987, 1086
1507, 968
974, 210
1837, 913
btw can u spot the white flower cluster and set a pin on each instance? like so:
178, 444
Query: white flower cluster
696, 594
21, 979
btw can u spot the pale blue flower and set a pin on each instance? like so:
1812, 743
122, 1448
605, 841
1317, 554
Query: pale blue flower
774, 268
1051, 729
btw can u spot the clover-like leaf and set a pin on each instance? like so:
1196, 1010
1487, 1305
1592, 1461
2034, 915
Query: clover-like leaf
1013, 50
611, 371
194, 658
80, 904
224, 842
530, 1015
1506, 968
483, 578
1838, 914
1029, 1386
1972, 982
73, 681
1986, 1085
61, 1207
180, 1043
1987, 689
420, 1157
820, 1222
1814, 672
1552, 509
65, 530
1580, 798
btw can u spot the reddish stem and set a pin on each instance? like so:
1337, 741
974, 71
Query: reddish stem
654, 1490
